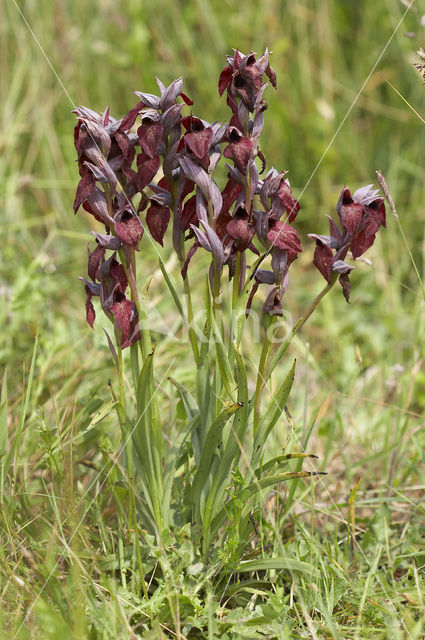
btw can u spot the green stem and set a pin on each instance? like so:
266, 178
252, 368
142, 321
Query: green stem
267, 365
126, 435
297, 328
121, 375
237, 280
216, 292
261, 375
128, 261
191, 330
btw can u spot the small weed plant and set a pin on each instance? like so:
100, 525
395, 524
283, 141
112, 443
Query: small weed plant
188, 485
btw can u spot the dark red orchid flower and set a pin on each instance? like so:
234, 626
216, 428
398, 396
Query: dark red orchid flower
239, 149
240, 230
361, 215
109, 282
243, 78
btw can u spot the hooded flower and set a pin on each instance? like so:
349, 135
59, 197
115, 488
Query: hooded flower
243, 78
275, 193
239, 149
240, 230
361, 215
109, 282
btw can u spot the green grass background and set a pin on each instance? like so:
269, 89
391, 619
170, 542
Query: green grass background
360, 366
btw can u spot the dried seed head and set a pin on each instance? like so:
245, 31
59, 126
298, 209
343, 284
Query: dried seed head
420, 66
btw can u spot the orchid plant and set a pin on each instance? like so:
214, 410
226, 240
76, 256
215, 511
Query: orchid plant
158, 167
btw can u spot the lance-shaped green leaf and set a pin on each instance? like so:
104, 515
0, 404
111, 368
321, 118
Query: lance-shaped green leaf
204, 392
147, 438
231, 447
209, 449
188, 401
223, 361
177, 456
282, 460
190, 330
102, 413
275, 411
3, 435
254, 487
16, 442
263, 483
289, 564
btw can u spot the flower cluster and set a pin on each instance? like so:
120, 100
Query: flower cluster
156, 166
360, 215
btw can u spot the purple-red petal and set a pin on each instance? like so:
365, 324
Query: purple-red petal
290, 203
90, 312
225, 79
351, 217
157, 219
188, 215
199, 142
240, 230
129, 229
95, 260
323, 259
240, 152
186, 99
150, 137
84, 190
284, 236
124, 314
147, 169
